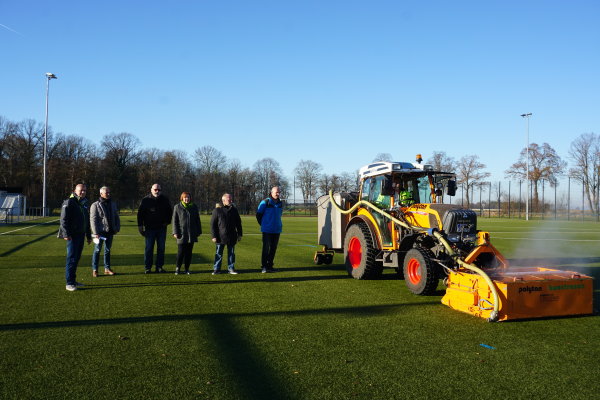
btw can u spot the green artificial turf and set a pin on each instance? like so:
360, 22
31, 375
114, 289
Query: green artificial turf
306, 332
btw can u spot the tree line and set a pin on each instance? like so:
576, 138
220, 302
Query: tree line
120, 161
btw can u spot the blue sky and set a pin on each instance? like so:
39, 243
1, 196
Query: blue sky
336, 82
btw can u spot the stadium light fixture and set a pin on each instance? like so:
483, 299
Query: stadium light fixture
526, 116
49, 76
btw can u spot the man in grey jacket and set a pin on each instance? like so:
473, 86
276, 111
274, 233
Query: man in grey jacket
105, 223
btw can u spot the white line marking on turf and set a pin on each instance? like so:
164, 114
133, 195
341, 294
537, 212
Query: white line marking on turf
551, 240
27, 227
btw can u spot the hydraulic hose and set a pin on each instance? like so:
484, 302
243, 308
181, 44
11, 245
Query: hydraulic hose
494, 314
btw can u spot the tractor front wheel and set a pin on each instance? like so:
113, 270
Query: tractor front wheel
360, 253
419, 271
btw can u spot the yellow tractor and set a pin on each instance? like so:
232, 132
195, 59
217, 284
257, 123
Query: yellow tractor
398, 220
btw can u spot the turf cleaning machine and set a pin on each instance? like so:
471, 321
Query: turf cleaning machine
398, 220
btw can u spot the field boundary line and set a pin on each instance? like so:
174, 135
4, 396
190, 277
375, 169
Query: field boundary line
27, 227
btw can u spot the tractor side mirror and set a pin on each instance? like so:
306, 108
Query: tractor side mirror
387, 188
451, 188
439, 190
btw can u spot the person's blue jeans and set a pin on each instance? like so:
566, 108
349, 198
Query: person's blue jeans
74, 249
219, 256
158, 236
98, 249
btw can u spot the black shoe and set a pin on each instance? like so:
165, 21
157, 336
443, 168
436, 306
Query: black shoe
160, 270
216, 272
271, 270
148, 271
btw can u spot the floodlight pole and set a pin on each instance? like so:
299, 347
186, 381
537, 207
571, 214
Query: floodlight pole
526, 116
44, 205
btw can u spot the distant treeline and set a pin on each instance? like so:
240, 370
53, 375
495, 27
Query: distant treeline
121, 163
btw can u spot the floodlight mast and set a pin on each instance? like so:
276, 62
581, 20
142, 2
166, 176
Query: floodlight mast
49, 76
526, 116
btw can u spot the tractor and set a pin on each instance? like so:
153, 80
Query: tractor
399, 220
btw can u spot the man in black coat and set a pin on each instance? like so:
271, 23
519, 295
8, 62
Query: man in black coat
75, 228
154, 214
226, 229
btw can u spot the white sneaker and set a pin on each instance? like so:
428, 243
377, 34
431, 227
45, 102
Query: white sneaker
71, 288
233, 272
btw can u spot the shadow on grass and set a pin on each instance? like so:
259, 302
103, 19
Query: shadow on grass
270, 278
117, 260
254, 377
24, 245
364, 311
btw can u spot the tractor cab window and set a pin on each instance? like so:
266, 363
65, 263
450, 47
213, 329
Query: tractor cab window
423, 189
377, 194
366, 189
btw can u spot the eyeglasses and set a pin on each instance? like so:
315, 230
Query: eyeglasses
157, 190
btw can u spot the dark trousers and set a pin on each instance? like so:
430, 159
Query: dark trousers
270, 241
184, 255
158, 236
74, 249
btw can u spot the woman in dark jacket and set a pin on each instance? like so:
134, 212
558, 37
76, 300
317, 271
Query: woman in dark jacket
226, 229
186, 229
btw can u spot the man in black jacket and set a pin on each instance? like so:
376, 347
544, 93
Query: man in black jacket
74, 228
154, 214
226, 229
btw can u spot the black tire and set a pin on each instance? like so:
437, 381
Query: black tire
327, 258
318, 259
420, 274
359, 253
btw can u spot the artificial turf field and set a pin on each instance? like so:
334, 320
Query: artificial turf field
306, 332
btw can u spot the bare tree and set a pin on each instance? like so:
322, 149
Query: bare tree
211, 164
268, 174
72, 159
120, 158
585, 153
383, 157
307, 174
349, 181
176, 174
470, 174
544, 163
442, 162
149, 169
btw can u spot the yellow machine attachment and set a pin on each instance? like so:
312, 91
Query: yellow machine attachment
522, 293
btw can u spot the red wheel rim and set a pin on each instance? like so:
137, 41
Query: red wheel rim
414, 271
354, 252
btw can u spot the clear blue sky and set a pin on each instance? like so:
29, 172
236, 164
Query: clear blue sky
336, 82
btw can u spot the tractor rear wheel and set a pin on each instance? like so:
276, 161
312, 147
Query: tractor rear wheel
360, 253
420, 274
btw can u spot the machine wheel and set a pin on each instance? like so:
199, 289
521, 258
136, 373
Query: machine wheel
318, 259
360, 253
327, 258
419, 271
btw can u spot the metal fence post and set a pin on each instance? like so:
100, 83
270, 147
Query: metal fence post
569, 199
490, 201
